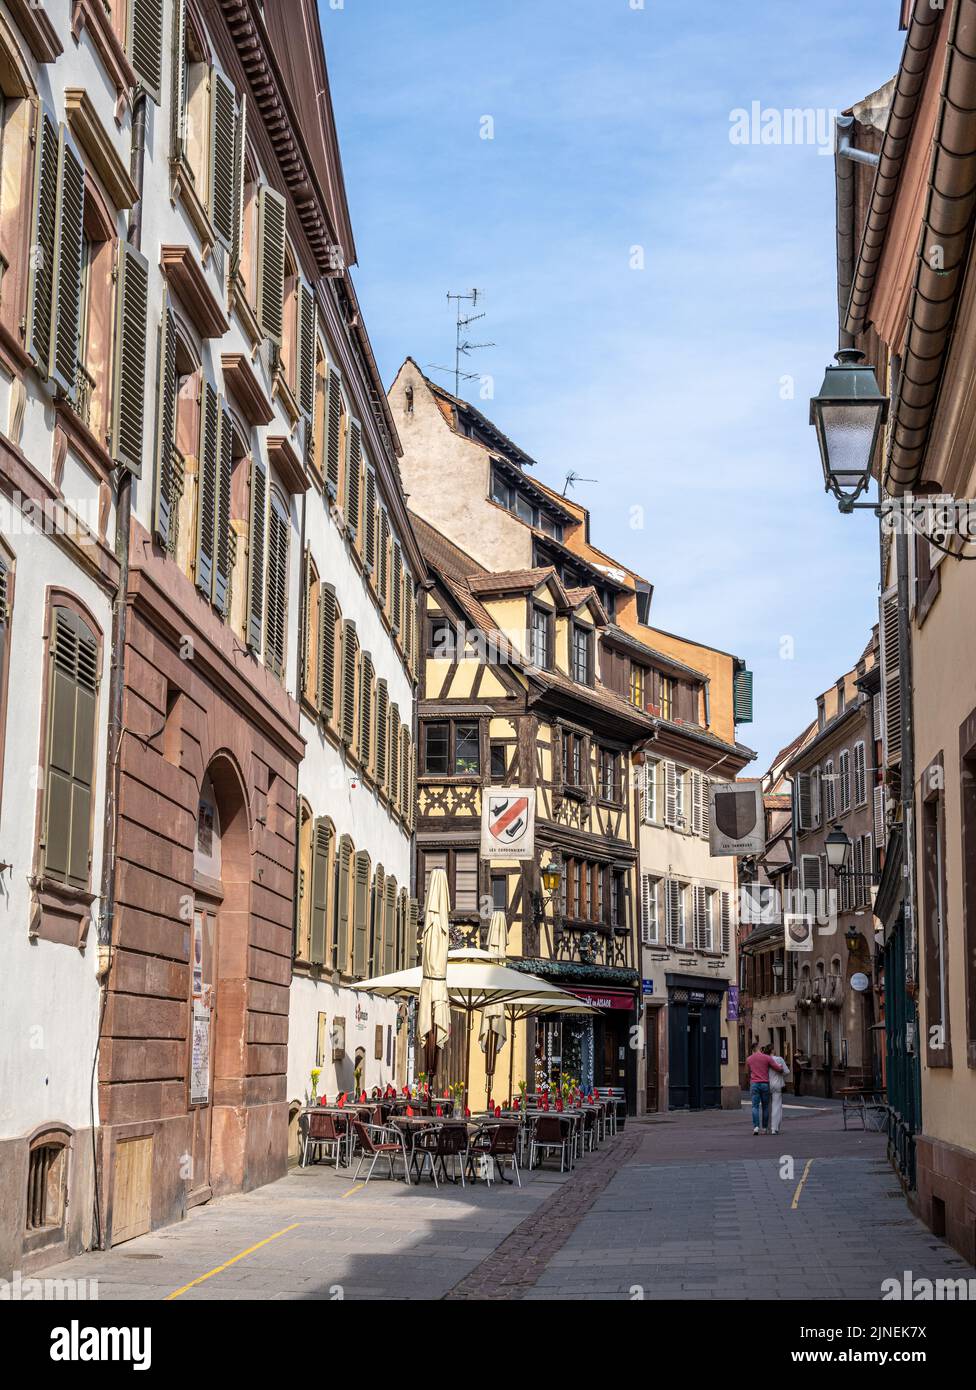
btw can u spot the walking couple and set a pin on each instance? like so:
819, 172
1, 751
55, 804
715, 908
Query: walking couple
767, 1075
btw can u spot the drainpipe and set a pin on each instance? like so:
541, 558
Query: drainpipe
845, 157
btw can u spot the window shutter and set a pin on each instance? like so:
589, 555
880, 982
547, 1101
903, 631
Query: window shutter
390, 933
829, 790
344, 904
877, 716
377, 946
382, 718
670, 794
393, 756
404, 768
805, 813
240, 151
66, 280
396, 588
179, 80
328, 615
726, 922
43, 243
163, 497
369, 522
845, 780
413, 932
890, 679
700, 903
383, 560
276, 618
131, 351
649, 910
412, 807
879, 814
674, 922
69, 777
223, 147
354, 455
361, 916
144, 44
271, 263
321, 853
350, 645
333, 423
860, 775
257, 527
207, 469
4, 596
307, 329
366, 711
697, 810
407, 623
222, 528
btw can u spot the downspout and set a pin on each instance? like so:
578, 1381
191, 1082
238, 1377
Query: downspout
299, 695
845, 156
116, 692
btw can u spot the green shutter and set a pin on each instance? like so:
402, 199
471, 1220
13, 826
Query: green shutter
344, 904
328, 614
742, 697
382, 718
275, 648
350, 646
271, 263
376, 940
333, 415
369, 523
354, 460
321, 838
144, 44
413, 933
307, 321
393, 756
207, 469
67, 276
163, 496
222, 528
131, 351
389, 933
366, 709
223, 147
70, 749
40, 293
361, 916
179, 81
255, 554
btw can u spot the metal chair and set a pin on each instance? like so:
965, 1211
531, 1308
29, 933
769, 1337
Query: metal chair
551, 1133
321, 1132
381, 1146
586, 1133
439, 1143
497, 1142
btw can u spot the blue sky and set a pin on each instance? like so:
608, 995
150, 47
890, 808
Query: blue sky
666, 384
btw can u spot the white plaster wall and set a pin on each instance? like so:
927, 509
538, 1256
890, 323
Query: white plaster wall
362, 1012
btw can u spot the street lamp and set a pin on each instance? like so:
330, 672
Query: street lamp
848, 416
552, 877
837, 846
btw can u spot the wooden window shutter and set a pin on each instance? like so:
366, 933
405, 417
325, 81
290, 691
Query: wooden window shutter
388, 963
725, 920
366, 711
240, 154
413, 932
649, 926
860, 775
333, 429
66, 292
163, 493
890, 677
344, 905
179, 81
207, 488
377, 940
131, 351
276, 608
271, 263
879, 814
305, 623
393, 756
382, 719
361, 916
412, 807
69, 777
673, 911
4, 595
223, 147
328, 617
670, 793
383, 568
350, 647
321, 885
144, 44
307, 330
257, 530
43, 242
404, 768
406, 623
222, 527
369, 522
396, 588
700, 912
354, 463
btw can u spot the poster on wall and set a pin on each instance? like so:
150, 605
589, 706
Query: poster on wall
736, 819
321, 1040
200, 1058
508, 823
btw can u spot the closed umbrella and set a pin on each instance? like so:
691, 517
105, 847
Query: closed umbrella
493, 1029
434, 1016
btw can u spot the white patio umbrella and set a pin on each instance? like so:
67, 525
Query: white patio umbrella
494, 1032
434, 1014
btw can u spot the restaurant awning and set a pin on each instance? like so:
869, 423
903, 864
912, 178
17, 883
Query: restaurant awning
603, 998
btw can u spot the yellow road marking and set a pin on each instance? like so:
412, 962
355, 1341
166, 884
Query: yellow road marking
227, 1263
358, 1188
799, 1187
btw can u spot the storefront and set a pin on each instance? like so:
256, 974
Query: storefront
695, 1042
594, 1048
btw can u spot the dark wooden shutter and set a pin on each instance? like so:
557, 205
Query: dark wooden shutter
890, 677
257, 526
207, 467
389, 927
144, 44
66, 312
350, 647
344, 904
393, 756
131, 352
222, 535
305, 622
179, 80
271, 263
413, 932
366, 710
396, 588
321, 855
333, 419
307, 321
361, 916
369, 522
73, 687
240, 153
40, 281
383, 560
275, 648
328, 616
404, 768
163, 495
223, 147
354, 455
382, 718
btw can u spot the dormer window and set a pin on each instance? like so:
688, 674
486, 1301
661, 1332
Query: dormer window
510, 496
582, 655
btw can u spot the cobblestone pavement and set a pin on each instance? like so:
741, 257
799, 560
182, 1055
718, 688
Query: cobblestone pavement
689, 1207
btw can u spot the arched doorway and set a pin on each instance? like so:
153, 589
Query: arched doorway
218, 980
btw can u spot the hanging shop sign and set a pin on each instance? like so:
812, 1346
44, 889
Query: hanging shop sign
798, 932
732, 1004
860, 982
736, 820
508, 824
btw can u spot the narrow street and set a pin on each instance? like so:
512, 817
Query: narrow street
676, 1207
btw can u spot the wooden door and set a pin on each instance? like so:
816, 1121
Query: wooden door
203, 1025
651, 1057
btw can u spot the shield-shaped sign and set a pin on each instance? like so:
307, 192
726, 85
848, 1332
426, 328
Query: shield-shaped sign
508, 824
735, 812
737, 822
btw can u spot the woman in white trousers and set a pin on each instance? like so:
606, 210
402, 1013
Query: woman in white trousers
777, 1080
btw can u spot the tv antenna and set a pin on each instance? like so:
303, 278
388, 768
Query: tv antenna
572, 478
462, 347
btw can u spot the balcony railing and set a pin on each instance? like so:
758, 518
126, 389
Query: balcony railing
804, 993
84, 391
835, 991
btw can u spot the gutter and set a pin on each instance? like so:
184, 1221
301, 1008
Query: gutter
919, 45
945, 237
845, 156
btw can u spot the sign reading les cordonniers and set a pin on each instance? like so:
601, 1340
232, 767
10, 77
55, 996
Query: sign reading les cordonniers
508, 823
736, 823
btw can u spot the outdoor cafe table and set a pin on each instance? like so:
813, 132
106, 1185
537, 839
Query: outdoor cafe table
416, 1124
